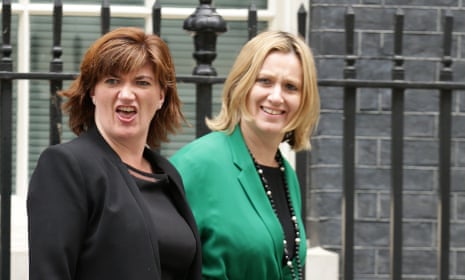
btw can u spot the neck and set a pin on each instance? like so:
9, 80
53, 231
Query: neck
263, 152
136, 161
132, 155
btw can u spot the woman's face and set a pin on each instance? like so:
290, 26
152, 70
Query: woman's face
125, 105
275, 97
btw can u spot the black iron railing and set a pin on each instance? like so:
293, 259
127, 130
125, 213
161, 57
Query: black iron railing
445, 86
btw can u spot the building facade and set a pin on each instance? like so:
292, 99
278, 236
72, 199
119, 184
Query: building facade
422, 51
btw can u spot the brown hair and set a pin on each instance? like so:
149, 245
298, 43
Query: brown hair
122, 51
244, 73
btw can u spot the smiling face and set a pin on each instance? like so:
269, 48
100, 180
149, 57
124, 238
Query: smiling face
125, 105
275, 97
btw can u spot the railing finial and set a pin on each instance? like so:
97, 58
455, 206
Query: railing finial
105, 17
205, 24
156, 18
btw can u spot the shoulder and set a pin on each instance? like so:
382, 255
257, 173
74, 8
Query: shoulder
61, 159
212, 139
82, 152
213, 143
58, 171
204, 158
60, 153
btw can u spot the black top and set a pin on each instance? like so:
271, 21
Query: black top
176, 241
275, 180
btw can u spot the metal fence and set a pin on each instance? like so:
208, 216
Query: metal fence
204, 77
445, 87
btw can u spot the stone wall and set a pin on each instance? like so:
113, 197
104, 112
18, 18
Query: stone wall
422, 50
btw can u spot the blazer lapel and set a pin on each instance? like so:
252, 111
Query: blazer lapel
253, 188
132, 186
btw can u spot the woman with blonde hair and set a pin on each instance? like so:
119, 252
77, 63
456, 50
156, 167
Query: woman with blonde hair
244, 194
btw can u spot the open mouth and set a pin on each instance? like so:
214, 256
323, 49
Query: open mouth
126, 111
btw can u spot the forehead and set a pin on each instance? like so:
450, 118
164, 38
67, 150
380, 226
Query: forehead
281, 56
284, 63
146, 69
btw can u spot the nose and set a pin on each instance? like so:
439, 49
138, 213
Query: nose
275, 96
126, 92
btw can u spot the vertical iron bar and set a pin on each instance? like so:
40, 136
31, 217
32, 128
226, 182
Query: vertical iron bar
252, 20
6, 102
302, 20
397, 135
302, 157
156, 18
203, 107
349, 150
56, 65
445, 108
105, 17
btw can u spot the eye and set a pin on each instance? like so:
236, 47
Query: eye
143, 83
291, 87
111, 81
264, 81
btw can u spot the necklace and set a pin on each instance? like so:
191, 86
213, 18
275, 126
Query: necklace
295, 272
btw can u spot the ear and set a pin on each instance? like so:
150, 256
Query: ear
92, 96
162, 98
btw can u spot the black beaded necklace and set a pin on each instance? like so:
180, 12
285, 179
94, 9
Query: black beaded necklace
295, 274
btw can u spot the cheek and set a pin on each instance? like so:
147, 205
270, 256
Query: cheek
151, 107
253, 97
294, 103
251, 104
150, 110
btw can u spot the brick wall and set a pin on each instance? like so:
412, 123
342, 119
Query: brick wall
422, 50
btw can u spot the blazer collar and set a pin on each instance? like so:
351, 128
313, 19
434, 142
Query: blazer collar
152, 156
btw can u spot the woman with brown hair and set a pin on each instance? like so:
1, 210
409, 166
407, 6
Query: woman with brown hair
105, 205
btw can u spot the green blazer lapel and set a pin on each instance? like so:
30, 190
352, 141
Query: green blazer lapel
252, 187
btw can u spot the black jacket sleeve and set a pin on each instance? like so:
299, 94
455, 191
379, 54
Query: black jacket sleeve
57, 214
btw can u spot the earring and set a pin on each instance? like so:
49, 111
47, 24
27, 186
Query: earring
289, 137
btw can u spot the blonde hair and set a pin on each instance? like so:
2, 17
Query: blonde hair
244, 73
122, 51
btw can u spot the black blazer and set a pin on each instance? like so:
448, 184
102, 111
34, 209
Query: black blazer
87, 218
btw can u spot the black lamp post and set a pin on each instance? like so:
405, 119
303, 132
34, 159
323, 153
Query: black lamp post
205, 24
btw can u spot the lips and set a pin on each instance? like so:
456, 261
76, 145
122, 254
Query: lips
272, 111
126, 113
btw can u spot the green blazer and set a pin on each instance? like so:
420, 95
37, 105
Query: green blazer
242, 239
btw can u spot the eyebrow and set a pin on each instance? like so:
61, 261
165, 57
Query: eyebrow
144, 76
286, 79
